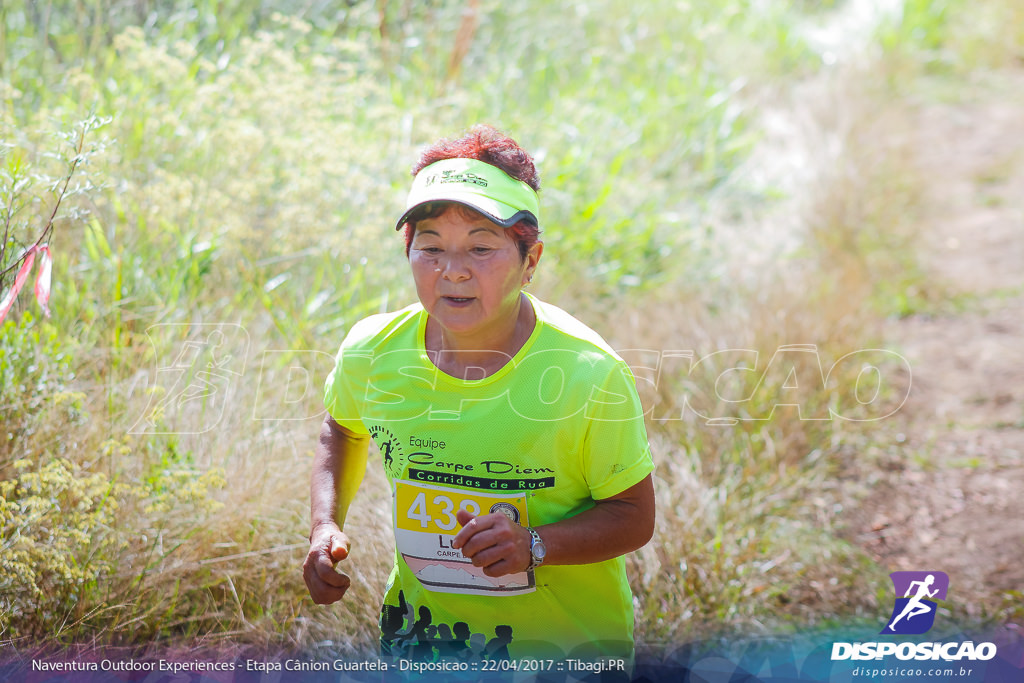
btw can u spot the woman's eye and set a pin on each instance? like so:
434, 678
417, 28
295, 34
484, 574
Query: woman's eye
430, 250
481, 250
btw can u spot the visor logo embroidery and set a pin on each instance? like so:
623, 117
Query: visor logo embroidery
453, 177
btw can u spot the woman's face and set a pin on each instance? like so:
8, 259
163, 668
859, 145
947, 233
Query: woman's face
468, 272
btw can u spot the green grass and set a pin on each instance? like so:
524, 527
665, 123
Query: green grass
246, 183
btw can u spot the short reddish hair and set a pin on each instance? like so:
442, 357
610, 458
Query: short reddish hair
490, 146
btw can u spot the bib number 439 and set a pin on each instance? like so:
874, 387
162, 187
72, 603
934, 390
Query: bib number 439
425, 523
441, 510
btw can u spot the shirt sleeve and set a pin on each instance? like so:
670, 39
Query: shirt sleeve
340, 397
616, 453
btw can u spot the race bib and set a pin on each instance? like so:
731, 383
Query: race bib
425, 526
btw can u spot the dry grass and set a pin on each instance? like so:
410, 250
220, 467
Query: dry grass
748, 513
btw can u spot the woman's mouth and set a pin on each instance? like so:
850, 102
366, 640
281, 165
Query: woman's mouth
458, 300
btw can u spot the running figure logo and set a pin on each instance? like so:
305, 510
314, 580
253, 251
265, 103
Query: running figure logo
390, 450
914, 612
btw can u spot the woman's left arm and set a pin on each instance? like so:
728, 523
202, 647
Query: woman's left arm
613, 527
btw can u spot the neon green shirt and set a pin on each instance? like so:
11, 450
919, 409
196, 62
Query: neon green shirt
559, 426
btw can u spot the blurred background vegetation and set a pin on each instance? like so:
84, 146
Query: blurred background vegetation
716, 175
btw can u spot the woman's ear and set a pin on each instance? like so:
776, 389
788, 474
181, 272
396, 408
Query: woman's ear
532, 259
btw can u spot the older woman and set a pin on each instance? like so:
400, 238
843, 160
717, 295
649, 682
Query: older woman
511, 434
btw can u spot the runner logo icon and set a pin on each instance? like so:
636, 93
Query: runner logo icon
917, 596
916, 593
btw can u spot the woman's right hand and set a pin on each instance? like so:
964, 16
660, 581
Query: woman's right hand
327, 545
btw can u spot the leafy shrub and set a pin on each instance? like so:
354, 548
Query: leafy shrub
58, 539
70, 557
35, 388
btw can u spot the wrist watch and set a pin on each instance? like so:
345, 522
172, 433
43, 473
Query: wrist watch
537, 549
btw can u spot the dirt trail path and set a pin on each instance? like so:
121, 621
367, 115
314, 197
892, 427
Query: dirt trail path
956, 504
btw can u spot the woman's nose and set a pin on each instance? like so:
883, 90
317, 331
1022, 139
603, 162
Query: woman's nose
455, 268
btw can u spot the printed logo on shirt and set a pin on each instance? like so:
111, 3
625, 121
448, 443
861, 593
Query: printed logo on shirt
462, 472
390, 450
411, 632
470, 470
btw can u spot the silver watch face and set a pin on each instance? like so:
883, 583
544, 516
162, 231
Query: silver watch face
537, 549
